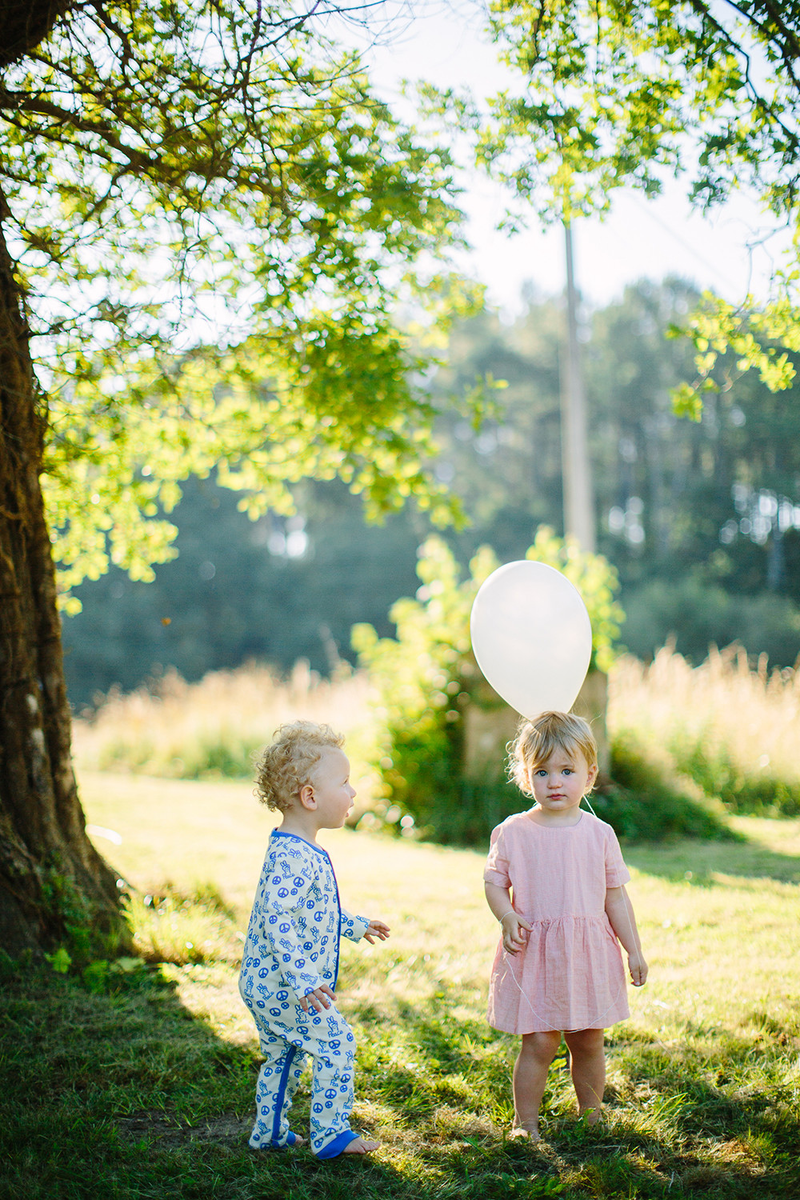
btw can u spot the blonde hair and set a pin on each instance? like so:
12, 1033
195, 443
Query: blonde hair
537, 740
286, 764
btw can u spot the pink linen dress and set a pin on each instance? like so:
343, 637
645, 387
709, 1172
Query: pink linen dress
570, 976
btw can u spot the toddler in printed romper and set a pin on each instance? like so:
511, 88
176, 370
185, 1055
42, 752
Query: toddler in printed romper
291, 955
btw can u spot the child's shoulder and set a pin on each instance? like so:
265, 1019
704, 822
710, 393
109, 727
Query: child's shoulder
291, 845
511, 824
597, 826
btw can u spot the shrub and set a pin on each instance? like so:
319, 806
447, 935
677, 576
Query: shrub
642, 804
427, 678
718, 774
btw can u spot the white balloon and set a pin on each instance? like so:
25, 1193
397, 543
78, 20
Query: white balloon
532, 637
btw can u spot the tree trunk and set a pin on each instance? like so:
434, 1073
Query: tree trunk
51, 876
25, 23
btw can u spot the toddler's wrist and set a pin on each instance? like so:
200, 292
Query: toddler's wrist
508, 913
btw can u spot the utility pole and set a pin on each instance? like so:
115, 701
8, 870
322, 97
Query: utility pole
576, 471
592, 702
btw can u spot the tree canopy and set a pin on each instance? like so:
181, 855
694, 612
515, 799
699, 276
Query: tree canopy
608, 93
700, 519
215, 248
217, 228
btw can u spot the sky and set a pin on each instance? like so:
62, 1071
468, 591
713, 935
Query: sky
640, 238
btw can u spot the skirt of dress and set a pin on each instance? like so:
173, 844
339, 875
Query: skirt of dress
570, 976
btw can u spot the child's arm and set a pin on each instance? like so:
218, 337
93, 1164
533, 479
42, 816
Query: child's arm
515, 928
619, 911
352, 927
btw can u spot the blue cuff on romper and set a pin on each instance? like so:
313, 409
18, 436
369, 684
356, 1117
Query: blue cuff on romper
338, 1144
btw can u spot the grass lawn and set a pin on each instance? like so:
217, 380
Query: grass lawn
138, 1081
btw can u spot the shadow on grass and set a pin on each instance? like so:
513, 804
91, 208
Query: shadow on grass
700, 863
669, 1129
125, 1095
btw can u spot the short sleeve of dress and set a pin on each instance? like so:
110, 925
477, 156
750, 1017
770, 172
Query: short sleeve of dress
496, 869
617, 873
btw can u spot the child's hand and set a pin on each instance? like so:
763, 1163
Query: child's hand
515, 932
638, 969
376, 930
319, 999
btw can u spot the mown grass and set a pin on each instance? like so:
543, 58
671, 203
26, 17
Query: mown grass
144, 1086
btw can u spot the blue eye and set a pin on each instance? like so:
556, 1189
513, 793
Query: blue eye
568, 771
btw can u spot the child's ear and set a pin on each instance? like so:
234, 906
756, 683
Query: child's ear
592, 777
307, 796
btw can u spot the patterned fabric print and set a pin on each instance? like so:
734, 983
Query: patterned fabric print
328, 1039
292, 947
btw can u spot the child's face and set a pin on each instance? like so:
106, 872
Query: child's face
560, 783
332, 790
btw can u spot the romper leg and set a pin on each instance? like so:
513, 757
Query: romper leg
277, 1083
330, 1041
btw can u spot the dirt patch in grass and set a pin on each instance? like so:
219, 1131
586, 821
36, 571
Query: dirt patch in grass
226, 1130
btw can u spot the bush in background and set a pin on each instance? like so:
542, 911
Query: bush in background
644, 804
427, 678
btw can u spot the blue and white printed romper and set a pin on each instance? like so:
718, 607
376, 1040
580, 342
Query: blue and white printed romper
292, 947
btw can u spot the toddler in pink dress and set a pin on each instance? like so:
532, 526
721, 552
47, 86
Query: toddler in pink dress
555, 880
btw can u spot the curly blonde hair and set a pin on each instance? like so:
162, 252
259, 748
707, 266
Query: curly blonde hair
286, 764
537, 740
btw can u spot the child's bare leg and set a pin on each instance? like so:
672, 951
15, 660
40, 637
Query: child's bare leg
588, 1069
359, 1146
530, 1076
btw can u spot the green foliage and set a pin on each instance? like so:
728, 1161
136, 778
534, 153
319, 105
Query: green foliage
60, 960
740, 790
81, 932
693, 615
422, 679
642, 805
427, 678
614, 94
738, 339
597, 582
247, 317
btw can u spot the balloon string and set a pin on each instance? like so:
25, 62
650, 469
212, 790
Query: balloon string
620, 990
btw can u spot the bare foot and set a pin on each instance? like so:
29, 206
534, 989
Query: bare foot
359, 1146
521, 1131
592, 1116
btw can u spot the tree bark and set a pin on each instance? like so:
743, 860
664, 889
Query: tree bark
25, 23
50, 874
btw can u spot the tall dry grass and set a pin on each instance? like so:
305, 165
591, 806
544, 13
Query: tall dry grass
215, 727
734, 730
